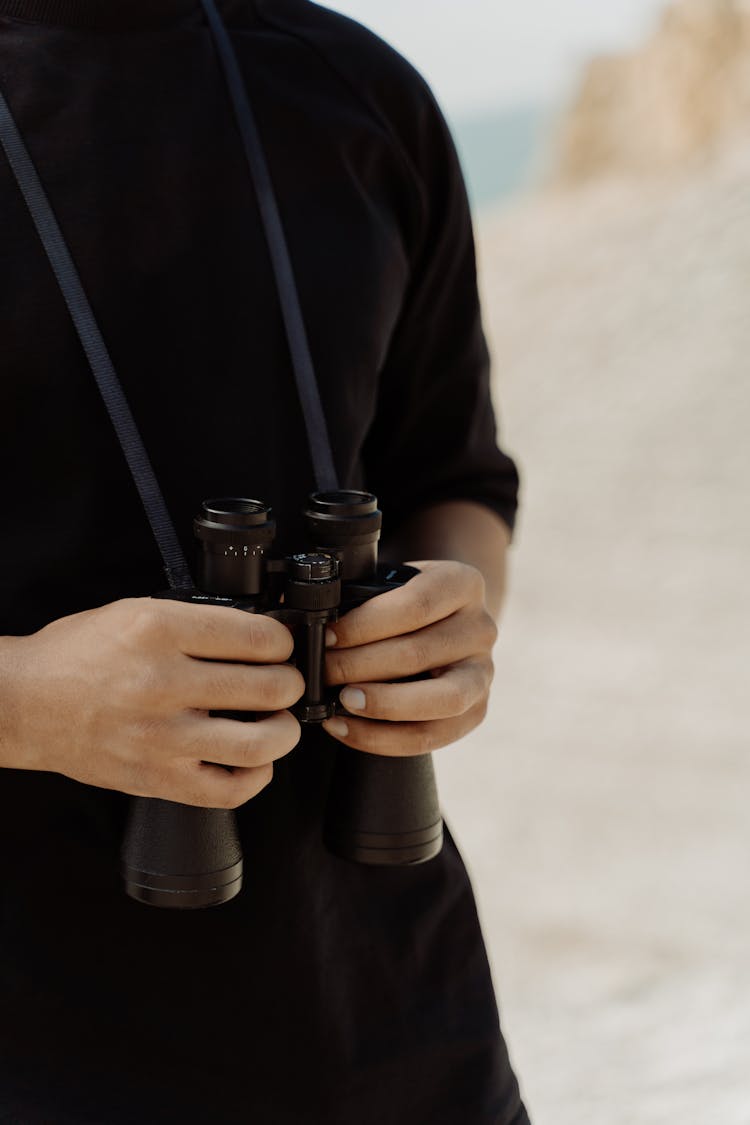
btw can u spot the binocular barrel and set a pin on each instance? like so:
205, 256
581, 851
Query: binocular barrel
380, 811
181, 856
346, 524
233, 536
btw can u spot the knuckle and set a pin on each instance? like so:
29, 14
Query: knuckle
459, 575
423, 740
476, 583
410, 740
419, 653
257, 634
145, 779
340, 668
148, 734
488, 630
231, 797
266, 695
478, 713
220, 796
149, 684
450, 580
294, 732
223, 685
459, 698
209, 625
142, 620
424, 601
284, 734
277, 688
196, 738
209, 789
210, 799
349, 630
289, 686
444, 645
255, 782
239, 788
372, 737
295, 686
268, 638
140, 780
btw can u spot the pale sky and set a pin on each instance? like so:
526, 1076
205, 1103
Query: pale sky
489, 54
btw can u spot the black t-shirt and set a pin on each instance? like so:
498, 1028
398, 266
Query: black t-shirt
326, 992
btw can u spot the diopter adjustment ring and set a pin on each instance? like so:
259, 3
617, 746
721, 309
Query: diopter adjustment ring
235, 519
343, 518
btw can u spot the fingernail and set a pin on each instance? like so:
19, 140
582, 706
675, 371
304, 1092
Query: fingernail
331, 638
353, 699
337, 727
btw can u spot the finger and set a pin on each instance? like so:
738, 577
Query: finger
201, 784
223, 790
216, 686
448, 693
233, 634
403, 740
467, 633
210, 632
210, 787
439, 590
232, 743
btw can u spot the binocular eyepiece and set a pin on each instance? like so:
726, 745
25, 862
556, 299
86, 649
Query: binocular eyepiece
380, 811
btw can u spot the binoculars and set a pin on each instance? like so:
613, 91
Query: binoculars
380, 811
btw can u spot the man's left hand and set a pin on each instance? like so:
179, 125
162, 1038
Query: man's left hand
438, 624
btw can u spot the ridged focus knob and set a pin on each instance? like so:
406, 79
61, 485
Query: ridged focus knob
313, 568
313, 582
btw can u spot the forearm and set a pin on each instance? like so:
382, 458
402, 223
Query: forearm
8, 703
462, 530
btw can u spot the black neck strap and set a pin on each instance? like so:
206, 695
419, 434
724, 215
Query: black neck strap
92, 342
48, 229
304, 372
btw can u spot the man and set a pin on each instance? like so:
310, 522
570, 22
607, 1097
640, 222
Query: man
327, 992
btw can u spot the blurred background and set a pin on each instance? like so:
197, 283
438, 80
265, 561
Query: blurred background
602, 809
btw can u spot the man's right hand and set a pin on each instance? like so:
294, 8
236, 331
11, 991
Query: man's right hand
119, 697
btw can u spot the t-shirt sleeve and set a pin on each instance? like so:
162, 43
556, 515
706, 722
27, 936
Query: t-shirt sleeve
434, 433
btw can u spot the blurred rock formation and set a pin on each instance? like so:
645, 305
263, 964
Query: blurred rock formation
673, 100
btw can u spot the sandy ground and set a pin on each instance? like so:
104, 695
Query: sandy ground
603, 808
